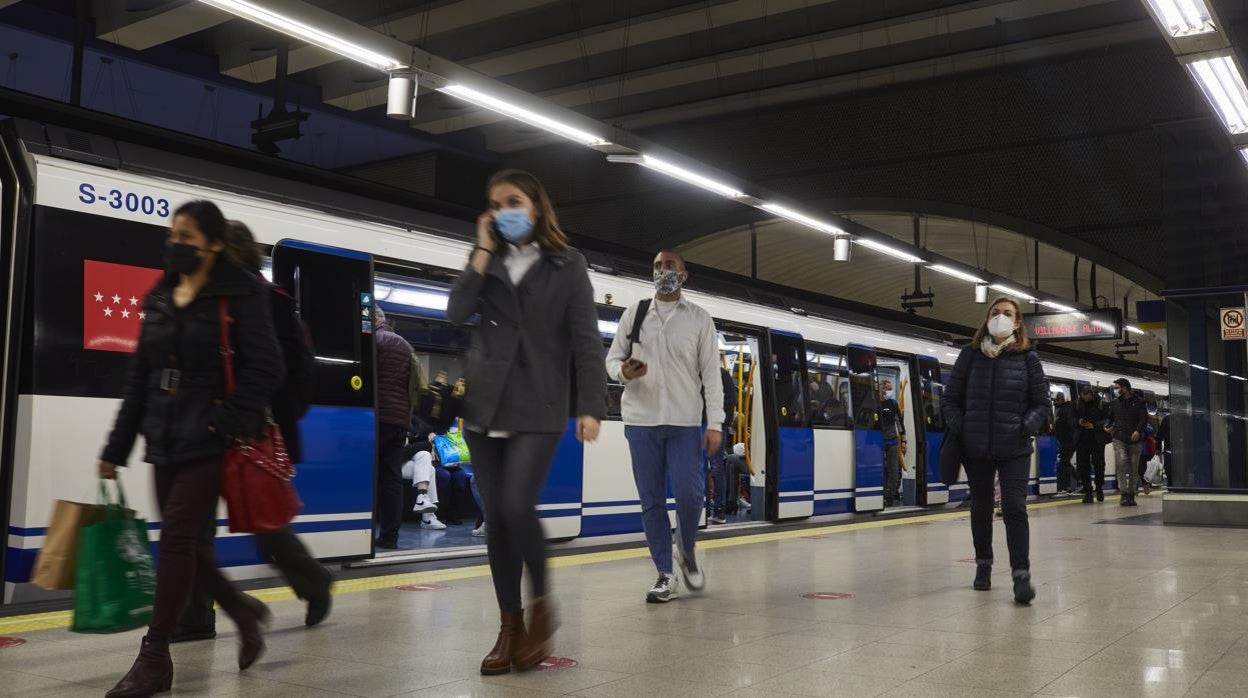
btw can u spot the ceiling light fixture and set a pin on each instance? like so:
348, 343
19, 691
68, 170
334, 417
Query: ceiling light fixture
890, 251
1183, 17
1175, 359
981, 293
1223, 86
401, 95
1219, 373
519, 113
1007, 290
957, 273
841, 249
1198, 367
1239, 378
678, 172
1058, 306
796, 217
1135, 330
312, 35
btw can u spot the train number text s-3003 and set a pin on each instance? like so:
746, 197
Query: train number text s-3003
120, 200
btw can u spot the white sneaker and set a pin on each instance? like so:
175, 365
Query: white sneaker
479, 531
743, 504
431, 523
665, 589
423, 505
694, 578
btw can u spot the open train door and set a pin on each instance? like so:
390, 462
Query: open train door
932, 426
791, 482
868, 439
333, 290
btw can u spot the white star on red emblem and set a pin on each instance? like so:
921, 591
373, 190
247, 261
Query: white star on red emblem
99, 297
142, 315
116, 298
125, 313
134, 301
108, 312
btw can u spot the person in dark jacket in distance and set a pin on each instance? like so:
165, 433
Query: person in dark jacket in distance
175, 395
996, 401
1127, 416
1090, 416
1064, 430
310, 580
537, 319
394, 418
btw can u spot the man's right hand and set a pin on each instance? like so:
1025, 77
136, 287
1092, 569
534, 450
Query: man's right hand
107, 471
632, 369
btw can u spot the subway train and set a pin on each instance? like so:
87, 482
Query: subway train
84, 236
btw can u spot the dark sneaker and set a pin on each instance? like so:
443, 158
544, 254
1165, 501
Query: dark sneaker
1024, 592
1087, 498
664, 589
388, 543
983, 576
1100, 495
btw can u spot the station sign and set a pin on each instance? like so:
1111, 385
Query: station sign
1067, 327
1232, 323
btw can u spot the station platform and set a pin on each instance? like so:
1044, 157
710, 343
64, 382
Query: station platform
1125, 607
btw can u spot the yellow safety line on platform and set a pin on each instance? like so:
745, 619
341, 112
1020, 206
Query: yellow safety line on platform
62, 619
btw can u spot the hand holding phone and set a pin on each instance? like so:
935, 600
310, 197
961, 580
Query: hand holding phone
633, 369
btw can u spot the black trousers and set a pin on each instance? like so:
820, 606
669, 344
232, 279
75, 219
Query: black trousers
390, 442
1091, 462
510, 475
1015, 474
1065, 471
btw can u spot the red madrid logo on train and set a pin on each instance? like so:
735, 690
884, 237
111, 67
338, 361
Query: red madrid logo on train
112, 304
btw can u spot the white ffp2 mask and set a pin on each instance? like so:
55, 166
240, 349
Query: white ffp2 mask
1000, 326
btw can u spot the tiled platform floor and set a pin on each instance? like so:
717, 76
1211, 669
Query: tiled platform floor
1124, 610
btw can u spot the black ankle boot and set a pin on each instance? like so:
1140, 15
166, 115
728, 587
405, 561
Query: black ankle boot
983, 576
151, 673
1024, 592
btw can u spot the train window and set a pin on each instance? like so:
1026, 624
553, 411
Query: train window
788, 357
829, 387
608, 326
933, 392
864, 398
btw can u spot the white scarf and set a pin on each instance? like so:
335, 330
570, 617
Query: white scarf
991, 349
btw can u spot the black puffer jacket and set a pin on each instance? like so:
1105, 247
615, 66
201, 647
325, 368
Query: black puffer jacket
175, 390
996, 405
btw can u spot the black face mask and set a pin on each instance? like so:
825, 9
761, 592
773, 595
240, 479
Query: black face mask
181, 258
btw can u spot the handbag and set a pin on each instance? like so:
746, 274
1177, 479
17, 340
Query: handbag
951, 459
115, 587
448, 453
255, 475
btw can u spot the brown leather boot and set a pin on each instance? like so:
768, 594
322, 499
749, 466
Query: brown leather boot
151, 673
536, 645
510, 635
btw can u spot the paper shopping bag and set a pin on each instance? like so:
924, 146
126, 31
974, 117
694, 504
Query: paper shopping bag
57, 560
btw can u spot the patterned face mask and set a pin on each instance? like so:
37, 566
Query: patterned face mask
666, 281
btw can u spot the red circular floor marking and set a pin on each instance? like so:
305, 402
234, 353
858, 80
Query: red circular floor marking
7, 642
423, 587
828, 595
1068, 538
556, 663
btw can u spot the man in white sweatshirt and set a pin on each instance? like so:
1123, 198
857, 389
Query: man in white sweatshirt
666, 353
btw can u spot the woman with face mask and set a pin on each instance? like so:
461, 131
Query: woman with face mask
537, 318
175, 395
996, 400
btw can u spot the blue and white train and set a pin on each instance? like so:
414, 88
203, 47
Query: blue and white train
81, 236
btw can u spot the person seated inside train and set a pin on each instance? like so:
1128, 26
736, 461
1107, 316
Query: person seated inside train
738, 481
418, 469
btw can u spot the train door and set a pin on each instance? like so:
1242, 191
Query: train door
791, 475
1048, 448
868, 439
833, 427
743, 479
932, 428
899, 423
333, 290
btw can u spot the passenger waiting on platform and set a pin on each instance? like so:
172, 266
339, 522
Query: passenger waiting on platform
1064, 431
894, 443
996, 401
1128, 415
394, 417
535, 302
175, 395
667, 356
1090, 416
309, 579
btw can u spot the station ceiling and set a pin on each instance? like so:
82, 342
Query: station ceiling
1063, 122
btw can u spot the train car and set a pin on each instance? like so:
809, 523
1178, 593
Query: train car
87, 241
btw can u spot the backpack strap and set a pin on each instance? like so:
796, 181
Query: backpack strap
634, 335
227, 351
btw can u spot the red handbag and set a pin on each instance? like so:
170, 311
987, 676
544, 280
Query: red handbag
255, 475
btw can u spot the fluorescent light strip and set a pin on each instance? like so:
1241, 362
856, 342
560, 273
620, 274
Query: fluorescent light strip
957, 273
334, 360
608, 327
1239, 378
1175, 359
1059, 306
1198, 367
1223, 86
1183, 17
519, 113
891, 251
398, 295
1013, 292
1135, 330
1243, 153
790, 214
312, 35
693, 178
1219, 373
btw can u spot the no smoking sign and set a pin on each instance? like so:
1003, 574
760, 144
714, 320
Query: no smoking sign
1232, 323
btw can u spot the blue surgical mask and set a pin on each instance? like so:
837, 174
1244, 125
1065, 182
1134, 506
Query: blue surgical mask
513, 224
666, 281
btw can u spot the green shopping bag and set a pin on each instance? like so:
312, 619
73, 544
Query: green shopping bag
115, 583
457, 439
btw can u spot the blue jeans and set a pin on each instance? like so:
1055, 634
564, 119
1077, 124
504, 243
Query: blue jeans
719, 479
660, 454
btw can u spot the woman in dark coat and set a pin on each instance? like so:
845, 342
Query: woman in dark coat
537, 319
175, 395
996, 401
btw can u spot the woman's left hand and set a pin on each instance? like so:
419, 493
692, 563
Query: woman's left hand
587, 429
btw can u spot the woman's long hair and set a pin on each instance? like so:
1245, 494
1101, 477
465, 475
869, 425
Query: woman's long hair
1022, 342
240, 247
546, 230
